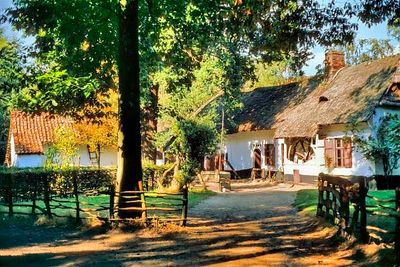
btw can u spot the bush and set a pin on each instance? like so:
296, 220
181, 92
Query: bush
28, 181
155, 176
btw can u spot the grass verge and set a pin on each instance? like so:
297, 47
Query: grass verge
198, 195
381, 228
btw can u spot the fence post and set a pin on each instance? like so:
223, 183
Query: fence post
320, 196
112, 196
46, 195
363, 211
344, 208
34, 195
185, 202
76, 193
397, 238
10, 194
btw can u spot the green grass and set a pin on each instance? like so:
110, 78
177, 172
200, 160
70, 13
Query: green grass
198, 195
307, 200
381, 227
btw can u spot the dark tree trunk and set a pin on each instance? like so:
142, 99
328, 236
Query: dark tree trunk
129, 174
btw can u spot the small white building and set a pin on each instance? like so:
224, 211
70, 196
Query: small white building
304, 128
30, 136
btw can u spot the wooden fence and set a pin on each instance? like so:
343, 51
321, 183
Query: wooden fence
41, 199
160, 206
335, 197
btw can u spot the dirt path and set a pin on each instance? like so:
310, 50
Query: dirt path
257, 228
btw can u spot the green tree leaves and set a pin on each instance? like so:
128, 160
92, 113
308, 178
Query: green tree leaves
383, 145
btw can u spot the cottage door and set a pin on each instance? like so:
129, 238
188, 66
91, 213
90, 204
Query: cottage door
257, 158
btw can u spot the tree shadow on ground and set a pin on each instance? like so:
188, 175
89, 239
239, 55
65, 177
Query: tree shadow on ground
267, 236
272, 241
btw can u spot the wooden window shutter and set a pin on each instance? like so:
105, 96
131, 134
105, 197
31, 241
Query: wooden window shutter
347, 153
329, 153
269, 152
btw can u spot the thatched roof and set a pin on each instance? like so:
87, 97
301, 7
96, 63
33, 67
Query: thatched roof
262, 106
298, 110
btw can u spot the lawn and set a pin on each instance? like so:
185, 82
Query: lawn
381, 228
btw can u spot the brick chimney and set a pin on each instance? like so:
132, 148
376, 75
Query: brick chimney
334, 61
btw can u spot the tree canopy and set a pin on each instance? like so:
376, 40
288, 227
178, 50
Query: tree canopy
126, 44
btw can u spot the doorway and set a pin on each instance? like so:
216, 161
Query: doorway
257, 158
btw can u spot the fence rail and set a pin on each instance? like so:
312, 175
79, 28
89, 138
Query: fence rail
40, 197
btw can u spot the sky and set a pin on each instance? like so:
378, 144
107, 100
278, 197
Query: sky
377, 31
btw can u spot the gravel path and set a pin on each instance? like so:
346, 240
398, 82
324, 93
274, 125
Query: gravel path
244, 228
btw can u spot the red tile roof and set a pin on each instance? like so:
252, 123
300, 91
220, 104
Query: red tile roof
32, 131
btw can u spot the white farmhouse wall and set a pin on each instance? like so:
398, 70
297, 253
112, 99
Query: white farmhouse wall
29, 161
239, 147
108, 157
360, 165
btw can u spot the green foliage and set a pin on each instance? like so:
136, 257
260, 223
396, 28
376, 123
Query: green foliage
193, 141
53, 89
11, 74
11, 80
59, 180
63, 151
154, 175
275, 73
383, 145
179, 33
180, 101
374, 12
368, 49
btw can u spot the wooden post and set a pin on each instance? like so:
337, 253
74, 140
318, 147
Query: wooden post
185, 202
344, 207
320, 196
144, 213
76, 194
46, 195
10, 194
112, 196
397, 237
327, 203
363, 212
34, 194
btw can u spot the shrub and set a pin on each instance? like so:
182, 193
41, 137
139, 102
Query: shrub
28, 181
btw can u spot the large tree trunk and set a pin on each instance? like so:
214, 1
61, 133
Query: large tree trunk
129, 173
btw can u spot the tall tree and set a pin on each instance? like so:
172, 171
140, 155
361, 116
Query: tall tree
11, 80
171, 34
129, 172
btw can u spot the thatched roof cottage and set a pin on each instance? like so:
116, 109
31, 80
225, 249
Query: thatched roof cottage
304, 128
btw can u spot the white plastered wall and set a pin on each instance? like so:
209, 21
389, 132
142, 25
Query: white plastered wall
108, 157
360, 166
240, 146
